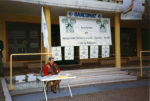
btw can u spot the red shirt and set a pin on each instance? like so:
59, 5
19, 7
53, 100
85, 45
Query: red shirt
49, 70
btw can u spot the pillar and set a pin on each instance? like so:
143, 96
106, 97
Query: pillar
117, 41
48, 22
139, 41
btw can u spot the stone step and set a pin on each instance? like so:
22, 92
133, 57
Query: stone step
79, 80
83, 77
87, 72
34, 84
101, 82
98, 80
37, 86
84, 74
92, 70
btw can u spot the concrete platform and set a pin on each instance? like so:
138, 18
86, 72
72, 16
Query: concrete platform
84, 77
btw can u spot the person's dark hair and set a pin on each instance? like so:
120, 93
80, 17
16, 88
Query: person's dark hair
50, 58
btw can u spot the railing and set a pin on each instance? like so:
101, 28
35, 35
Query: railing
11, 85
141, 65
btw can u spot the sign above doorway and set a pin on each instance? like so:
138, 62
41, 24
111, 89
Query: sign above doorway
77, 14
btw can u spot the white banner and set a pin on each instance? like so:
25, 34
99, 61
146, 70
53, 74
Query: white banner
57, 53
69, 53
79, 32
105, 51
83, 52
132, 10
44, 30
93, 51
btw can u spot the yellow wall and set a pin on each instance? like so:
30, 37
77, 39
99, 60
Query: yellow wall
25, 18
13, 18
3, 37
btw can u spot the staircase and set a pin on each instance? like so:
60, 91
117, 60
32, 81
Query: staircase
83, 77
98, 76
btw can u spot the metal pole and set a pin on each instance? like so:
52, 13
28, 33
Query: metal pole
10, 80
11, 56
141, 71
45, 90
69, 89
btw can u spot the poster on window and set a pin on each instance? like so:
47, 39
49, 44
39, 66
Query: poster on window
83, 52
56, 51
79, 32
105, 51
93, 51
69, 53
132, 10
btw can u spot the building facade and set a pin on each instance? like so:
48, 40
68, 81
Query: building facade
20, 28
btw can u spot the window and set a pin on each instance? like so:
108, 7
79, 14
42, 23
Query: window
128, 42
145, 41
23, 38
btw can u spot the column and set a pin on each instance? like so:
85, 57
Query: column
117, 41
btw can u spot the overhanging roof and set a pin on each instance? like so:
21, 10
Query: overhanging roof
59, 7
78, 4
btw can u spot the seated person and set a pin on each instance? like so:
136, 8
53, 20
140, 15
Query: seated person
51, 69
